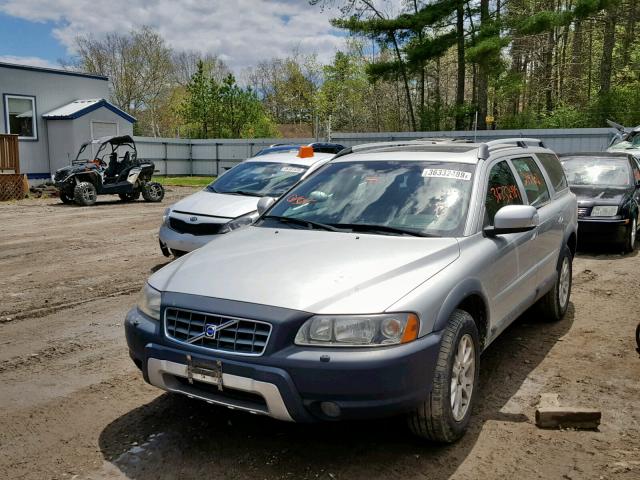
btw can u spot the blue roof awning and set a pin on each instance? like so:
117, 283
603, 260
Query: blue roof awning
79, 108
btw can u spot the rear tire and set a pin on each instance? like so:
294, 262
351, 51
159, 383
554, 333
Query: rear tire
445, 414
66, 199
85, 194
629, 244
554, 304
130, 197
153, 192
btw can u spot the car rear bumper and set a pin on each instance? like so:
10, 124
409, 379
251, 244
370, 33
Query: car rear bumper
291, 384
602, 230
183, 242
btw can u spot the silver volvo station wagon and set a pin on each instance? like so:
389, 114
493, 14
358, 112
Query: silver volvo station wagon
368, 289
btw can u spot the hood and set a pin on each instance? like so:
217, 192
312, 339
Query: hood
64, 172
625, 147
313, 271
600, 195
217, 204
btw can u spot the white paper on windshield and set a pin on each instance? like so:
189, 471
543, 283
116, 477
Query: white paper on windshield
292, 169
446, 173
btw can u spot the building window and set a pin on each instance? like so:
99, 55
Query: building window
20, 116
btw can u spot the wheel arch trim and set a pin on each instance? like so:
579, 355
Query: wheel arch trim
468, 288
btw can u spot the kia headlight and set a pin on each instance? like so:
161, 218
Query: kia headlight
359, 330
604, 211
239, 222
149, 302
165, 215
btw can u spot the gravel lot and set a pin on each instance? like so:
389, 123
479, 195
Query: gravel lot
72, 404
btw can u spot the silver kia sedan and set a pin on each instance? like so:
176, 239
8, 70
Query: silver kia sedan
230, 202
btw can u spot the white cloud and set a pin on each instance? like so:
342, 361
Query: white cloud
32, 61
242, 32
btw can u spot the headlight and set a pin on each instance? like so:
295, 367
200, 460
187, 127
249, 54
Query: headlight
149, 302
602, 211
165, 215
359, 330
239, 222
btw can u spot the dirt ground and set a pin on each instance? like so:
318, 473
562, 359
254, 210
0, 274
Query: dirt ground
72, 404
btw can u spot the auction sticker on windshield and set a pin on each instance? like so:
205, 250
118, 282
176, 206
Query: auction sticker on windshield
292, 169
446, 173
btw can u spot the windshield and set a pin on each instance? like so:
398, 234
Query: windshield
632, 140
597, 171
383, 197
258, 179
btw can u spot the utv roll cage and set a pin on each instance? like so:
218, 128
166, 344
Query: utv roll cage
105, 142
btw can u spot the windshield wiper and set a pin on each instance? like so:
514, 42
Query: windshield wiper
360, 227
243, 192
300, 221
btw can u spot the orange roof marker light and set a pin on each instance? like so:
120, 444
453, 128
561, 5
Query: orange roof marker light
305, 151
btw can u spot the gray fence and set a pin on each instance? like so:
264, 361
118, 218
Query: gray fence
213, 156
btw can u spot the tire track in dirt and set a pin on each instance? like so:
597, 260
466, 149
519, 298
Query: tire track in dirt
43, 311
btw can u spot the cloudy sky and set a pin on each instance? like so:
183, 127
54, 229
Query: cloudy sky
242, 32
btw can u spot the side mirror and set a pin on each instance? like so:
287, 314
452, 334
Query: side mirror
513, 219
264, 204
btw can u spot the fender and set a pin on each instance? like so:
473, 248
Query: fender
469, 286
132, 177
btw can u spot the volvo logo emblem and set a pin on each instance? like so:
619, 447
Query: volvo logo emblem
210, 331
193, 219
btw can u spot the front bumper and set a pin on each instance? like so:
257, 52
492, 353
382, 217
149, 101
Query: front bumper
602, 230
291, 383
183, 242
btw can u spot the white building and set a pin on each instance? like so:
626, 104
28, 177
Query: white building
54, 112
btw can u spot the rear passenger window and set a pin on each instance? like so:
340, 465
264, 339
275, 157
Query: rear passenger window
502, 190
554, 169
533, 180
635, 165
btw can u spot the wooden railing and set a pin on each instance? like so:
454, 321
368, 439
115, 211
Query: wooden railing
9, 156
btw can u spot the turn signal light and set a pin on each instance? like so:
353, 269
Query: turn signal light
411, 329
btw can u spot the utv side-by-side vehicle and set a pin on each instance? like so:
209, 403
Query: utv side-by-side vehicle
114, 169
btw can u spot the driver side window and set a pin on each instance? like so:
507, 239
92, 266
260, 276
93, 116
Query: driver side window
502, 190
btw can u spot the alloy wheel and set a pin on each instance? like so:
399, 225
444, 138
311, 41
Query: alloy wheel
463, 377
565, 283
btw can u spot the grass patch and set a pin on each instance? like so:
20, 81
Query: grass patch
185, 181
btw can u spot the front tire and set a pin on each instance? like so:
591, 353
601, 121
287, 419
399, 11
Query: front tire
555, 303
85, 194
444, 416
629, 244
152, 192
65, 198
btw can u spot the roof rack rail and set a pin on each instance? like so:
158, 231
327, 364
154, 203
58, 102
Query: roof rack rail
491, 145
518, 142
408, 143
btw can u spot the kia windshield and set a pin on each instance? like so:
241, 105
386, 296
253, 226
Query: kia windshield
416, 198
258, 179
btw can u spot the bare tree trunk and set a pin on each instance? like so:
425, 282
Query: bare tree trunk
590, 61
629, 32
548, 71
483, 74
461, 66
608, 42
575, 71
